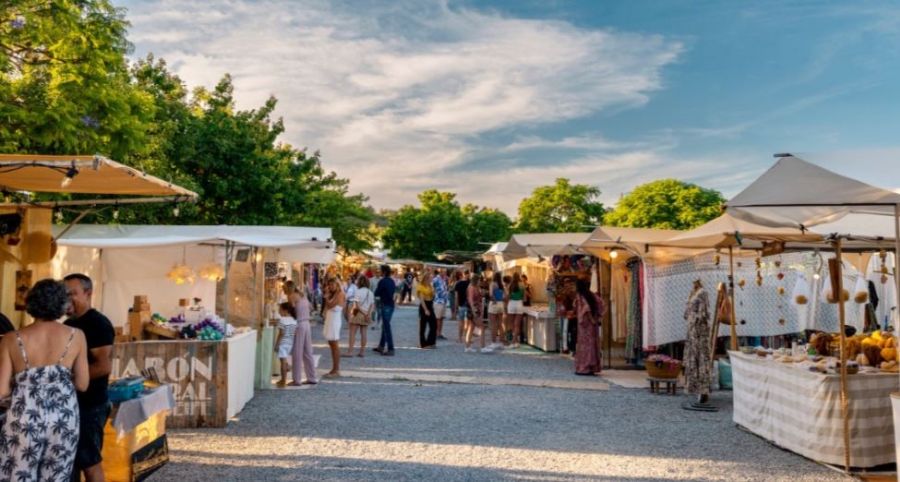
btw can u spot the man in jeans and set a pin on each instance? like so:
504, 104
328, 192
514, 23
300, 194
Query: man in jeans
385, 293
93, 404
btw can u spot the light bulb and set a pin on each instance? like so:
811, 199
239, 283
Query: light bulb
258, 257
116, 214
613, 254
65, 182
176, 211
816, 276
70, 174
59, 216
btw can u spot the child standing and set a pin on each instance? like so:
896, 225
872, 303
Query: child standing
287, 325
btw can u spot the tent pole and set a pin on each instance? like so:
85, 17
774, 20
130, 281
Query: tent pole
228, 250
837, 283
896, 255
734, 342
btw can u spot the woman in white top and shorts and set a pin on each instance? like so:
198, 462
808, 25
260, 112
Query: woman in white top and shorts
334, 307
360, 315
495, 309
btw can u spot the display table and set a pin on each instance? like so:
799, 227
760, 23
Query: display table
135, 436
541, 328
211, 380
801, 411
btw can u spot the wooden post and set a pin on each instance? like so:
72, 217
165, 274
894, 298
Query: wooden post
734, 342
837, 290
229, 249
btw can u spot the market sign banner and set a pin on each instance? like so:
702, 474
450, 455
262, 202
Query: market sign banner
196, 370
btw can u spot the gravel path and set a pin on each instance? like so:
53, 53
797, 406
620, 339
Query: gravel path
376, 428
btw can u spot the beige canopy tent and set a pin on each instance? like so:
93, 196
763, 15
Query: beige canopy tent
544, 245
81, 175
797, 194
604, 239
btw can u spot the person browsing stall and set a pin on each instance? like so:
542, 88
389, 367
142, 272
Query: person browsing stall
93, 404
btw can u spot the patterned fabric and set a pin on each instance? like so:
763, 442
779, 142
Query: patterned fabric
586, 358
761, 310
441, 293
634, 318
696, 350
39, 436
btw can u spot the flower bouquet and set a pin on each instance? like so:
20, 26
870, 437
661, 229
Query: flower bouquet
662, 366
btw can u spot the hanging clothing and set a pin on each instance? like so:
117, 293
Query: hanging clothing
43, 420
620, 292
633, 341
587, 360
696, 356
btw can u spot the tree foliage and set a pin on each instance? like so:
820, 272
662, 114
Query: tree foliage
233, 160
64, 80
666, 204
440, 224
562, 207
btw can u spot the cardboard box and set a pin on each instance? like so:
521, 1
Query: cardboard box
136, 320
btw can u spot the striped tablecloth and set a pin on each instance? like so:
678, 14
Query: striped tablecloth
801, 411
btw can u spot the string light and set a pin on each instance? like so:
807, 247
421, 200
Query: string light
70, 174
176, 211
59, 215
613, 254
116, 213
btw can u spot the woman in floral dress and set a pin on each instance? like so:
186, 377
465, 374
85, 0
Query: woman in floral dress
589, 310
41, 366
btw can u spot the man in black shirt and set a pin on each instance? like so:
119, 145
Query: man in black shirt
385, 292
93, 404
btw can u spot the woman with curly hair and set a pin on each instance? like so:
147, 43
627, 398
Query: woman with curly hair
41, 366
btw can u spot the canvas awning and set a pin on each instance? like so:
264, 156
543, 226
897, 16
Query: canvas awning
142, 236
796, 193
89, 175
634, 240
544, 245
729, 231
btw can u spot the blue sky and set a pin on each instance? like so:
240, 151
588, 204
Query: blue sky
490, 99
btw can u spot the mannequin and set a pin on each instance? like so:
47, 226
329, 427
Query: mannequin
697, 365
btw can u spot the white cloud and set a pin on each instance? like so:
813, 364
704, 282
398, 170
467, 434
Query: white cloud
399, 96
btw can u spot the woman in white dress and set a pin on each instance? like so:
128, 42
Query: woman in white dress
334, 307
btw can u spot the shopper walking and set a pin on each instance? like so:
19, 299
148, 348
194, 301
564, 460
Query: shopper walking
589, 311
334, 307
302, 354
284, 343
475, 322
386, 293
460, 294
495, 309
41, 366
407, 287
515, 308
441, 300
360, 316
425, 293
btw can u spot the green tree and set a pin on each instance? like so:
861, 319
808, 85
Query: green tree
440, 224
233, 160
666, 204
485, 225
562, 207
64, 80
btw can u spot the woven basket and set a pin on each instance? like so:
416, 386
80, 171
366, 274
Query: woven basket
665, 371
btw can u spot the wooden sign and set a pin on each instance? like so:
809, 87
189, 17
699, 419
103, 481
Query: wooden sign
197, 371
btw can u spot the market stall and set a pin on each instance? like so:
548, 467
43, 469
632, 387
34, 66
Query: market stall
622, 255
194, 303
800, 410
826, 198
552, 261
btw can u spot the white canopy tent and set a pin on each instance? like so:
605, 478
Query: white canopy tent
126, 260
544, 245
796, 193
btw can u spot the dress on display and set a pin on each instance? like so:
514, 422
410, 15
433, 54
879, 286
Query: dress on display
696, 353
